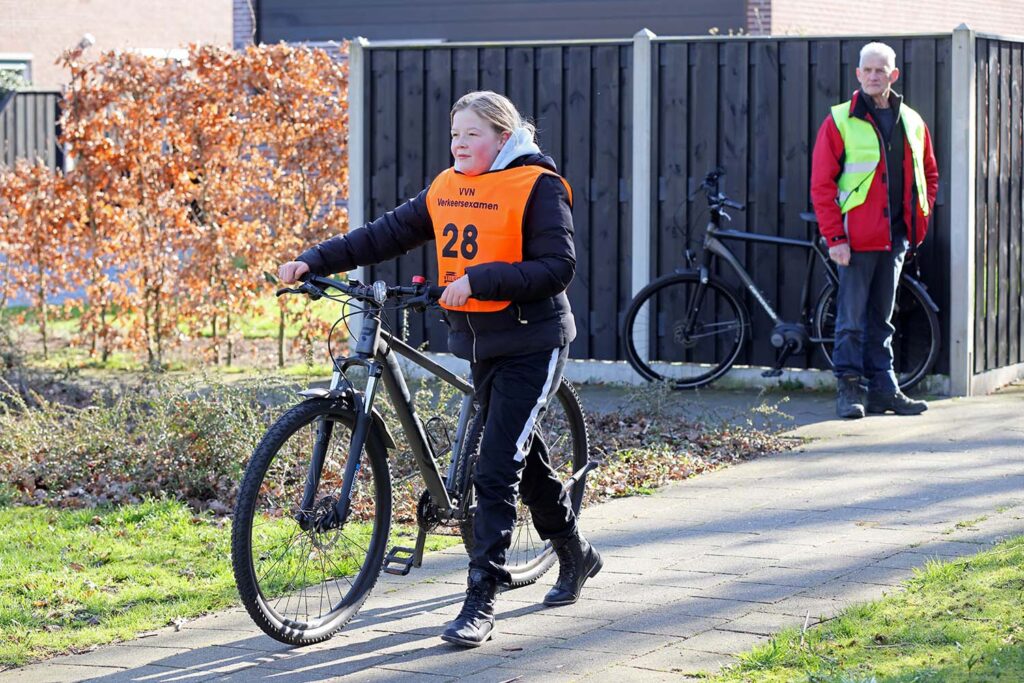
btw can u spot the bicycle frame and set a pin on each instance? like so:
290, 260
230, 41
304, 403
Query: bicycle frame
714, 246
373, 351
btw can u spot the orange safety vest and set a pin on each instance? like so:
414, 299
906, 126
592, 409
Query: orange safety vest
479, 219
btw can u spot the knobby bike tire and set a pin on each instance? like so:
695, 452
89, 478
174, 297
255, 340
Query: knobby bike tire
564, 430
916, 341
268, 499
669, 354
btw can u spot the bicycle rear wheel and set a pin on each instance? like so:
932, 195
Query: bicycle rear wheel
564, 432
659, 346
915, 343
301, 585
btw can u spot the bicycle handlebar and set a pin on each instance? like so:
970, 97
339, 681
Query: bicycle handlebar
418, 294
716, 198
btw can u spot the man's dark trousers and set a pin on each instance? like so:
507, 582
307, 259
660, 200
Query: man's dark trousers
864, 306
512, 393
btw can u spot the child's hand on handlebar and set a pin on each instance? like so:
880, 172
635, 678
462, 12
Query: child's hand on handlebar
290, 272
457, 293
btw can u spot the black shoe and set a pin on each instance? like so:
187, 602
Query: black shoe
850, 397
577, 562
475, 623
899, 403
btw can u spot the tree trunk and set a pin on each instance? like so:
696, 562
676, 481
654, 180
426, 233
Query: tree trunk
42, 317
104, 335
280, 338
216, 344
227, 333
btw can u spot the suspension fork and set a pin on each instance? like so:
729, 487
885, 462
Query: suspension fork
324, 429
364, 421
369, 338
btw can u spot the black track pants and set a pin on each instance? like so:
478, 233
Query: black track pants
512, 394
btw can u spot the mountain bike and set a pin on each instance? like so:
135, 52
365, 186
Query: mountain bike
688, 328
314, 509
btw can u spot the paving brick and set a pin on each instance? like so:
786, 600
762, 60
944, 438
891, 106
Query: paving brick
559, 660
766, 623
606, 640
679, 660
723, 642
666, 622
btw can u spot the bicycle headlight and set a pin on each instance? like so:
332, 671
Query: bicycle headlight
380, 291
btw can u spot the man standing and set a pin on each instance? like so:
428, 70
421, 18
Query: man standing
873, 185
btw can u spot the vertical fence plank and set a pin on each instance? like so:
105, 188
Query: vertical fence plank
1003, 180
383, 127
439, 100
521, 75
798, 128
465, 71
992, 182
1016, 291
703, 152
940, 239
492, 70
672, 222
763, 199
623, 182
548, 105
981, 207
605, 192
577, 108
412, 138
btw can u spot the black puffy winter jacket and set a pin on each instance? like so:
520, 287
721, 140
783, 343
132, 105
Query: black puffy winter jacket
539, 317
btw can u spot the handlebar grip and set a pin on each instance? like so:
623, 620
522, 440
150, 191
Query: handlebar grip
435, 292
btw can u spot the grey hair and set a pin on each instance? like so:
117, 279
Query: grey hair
878, 50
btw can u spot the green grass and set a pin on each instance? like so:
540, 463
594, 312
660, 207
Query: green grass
73, 579
955, 621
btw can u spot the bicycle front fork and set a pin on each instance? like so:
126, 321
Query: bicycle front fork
338, 514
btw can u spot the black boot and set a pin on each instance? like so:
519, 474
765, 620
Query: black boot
577, 562
475, 622
850, 397
898, 402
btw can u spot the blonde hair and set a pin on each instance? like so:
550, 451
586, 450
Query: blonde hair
878, 50
495, 109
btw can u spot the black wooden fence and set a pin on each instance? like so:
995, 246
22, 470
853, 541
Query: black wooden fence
999, 288
28, 128
579, 96
750, 105
754, 107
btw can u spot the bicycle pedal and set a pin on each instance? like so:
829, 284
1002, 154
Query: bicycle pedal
399, 561
774, 372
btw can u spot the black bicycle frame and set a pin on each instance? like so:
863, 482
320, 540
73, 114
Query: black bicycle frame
374, 352
714, 246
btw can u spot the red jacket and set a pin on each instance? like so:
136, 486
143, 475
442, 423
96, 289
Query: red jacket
867, 226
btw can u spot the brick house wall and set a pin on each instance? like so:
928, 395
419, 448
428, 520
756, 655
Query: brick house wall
45, 28
824, 17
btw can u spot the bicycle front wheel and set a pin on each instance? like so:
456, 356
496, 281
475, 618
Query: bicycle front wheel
915, 343
563, 431
302, 581
680, 332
